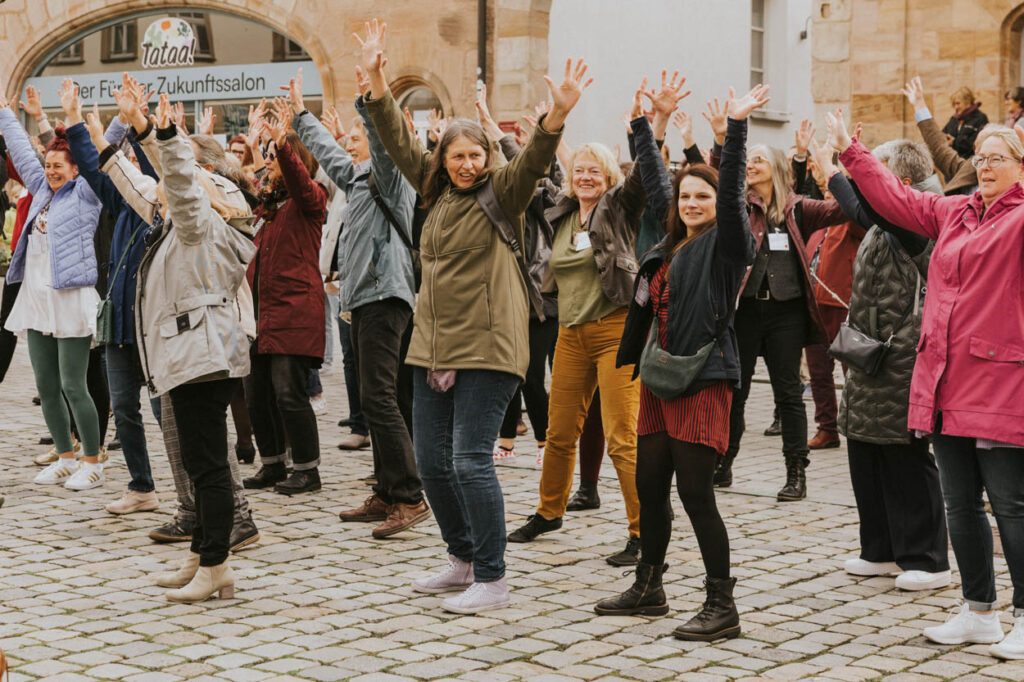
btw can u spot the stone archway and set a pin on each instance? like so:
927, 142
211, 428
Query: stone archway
1012, 34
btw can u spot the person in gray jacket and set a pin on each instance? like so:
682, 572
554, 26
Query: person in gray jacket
377, 287
894, 476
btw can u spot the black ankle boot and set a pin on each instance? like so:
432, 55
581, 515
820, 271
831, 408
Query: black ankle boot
645, 598
305, 481
584, 498
268, 475
723, 471
718, 619
796, 479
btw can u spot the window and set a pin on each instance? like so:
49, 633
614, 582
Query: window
200, 22
120, 42
757, 42
72, 54
287, 50
420, 100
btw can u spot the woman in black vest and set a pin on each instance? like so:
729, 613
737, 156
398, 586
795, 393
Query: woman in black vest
707, 249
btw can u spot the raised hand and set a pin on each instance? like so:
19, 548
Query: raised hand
294, 89
666, 100
362, 82
682, 121
409, 123
277, 125
332, 121
283, 112
718, 117
483, 114
838, 137
204, 126
163, 112
177, 116
69, 101
372, 45
914, 92
637, 109
256, 131
821, 154
566, 94
257, 112
436, 124
804, 135
31, 104
739, 108
95, 127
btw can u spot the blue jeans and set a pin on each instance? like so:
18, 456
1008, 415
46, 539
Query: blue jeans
125, 383
964, 471
453, 435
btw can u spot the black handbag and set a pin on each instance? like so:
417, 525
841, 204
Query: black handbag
863, 351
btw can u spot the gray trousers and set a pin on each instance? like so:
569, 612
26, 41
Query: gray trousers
186, 512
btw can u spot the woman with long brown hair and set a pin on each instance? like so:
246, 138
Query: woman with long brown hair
685, 294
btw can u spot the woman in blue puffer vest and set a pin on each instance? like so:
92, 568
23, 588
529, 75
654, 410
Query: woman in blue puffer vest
56, 309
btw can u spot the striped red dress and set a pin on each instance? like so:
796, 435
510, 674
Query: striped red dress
701, 418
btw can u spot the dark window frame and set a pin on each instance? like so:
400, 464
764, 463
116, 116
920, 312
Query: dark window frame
62, 59
283, 54
200, 21
131, 28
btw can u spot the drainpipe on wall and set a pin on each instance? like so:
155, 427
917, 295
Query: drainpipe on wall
481, 44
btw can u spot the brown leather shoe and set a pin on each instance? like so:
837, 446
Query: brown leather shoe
402, 517
823, 440
372, 509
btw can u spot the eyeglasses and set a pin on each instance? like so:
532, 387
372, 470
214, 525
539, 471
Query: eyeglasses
994, 161
757, 159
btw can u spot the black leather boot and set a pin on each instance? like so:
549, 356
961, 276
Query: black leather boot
796, 479
266, 476
645, 598
584, 498
305, 481
718, 619
723, 471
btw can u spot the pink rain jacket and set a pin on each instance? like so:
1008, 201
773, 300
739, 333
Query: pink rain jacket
970, 363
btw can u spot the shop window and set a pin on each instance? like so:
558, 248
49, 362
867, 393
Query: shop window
757, 42
287, 50
120, 42
200, 22
72, 54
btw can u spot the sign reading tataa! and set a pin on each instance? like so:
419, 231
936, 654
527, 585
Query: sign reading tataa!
168, 42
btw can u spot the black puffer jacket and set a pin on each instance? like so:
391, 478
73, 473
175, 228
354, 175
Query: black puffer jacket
965, 131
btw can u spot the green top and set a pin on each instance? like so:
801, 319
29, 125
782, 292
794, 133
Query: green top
580, 296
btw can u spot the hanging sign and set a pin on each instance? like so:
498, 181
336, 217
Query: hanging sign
168, 42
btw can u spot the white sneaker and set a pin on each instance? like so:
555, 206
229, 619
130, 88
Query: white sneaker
479, 597
914, 581
861, 567
319, 404
87, 477
51, 455
967, 626
56, 472
132, 501
458, 575
1012, 646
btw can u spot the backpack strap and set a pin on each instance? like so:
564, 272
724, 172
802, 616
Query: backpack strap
488, 201
371, 182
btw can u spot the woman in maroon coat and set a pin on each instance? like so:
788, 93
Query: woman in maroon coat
288, 297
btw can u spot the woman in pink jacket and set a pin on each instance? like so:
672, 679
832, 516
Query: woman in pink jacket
968, 385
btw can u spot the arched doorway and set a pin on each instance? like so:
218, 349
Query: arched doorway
199, 58
1012, 49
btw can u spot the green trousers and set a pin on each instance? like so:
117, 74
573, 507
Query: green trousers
60, 366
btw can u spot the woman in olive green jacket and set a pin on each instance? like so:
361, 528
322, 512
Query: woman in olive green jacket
470, 343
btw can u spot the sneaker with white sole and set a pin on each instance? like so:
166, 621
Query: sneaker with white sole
87, 477
57, 472
134, 501
1012, 646
966, 626
479, 597
864, 568
915, 581
51, 455
458, 575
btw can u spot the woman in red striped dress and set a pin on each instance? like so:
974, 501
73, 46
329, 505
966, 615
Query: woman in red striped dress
688, 286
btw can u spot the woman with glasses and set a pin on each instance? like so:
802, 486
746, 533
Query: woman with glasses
969, 376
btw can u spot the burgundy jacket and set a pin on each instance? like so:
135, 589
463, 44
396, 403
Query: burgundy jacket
285, 274
814, 215
838, 249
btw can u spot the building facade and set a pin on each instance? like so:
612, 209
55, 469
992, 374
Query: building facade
865, 50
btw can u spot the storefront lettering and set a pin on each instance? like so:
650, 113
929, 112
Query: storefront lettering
168, 42
165, 55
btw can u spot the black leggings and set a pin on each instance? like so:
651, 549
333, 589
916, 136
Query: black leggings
658, 457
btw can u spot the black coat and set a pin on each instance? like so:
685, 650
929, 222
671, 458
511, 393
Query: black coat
964, 132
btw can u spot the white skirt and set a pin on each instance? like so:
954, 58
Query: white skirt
61, 313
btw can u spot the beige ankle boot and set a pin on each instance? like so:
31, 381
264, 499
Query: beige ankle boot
208, 580
183, 575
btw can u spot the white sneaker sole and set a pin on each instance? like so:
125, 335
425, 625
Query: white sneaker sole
132, 510
973, 639
479, 609
87, 486
1006, 655
934, 584
422, 589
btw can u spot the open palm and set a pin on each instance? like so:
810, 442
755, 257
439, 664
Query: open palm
566, 94
740, 108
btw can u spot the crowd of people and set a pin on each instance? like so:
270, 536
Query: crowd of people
460, 272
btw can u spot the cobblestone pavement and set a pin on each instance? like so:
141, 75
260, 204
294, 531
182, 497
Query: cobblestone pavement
321, 600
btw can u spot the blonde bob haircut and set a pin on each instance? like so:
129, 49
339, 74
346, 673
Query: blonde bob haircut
606, 160
1012, 142
782, 181
964, 95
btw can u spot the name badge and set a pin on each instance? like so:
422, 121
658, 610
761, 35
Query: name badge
643, 292
778, 241
582, 240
